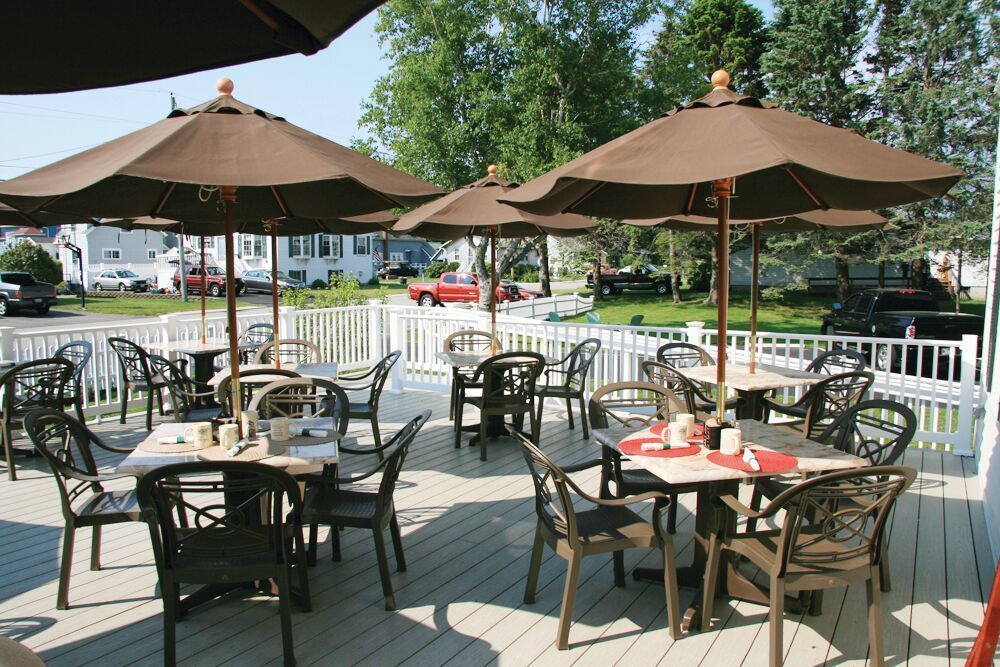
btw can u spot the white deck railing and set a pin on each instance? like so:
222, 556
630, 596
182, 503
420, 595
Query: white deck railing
564, 305
355, 337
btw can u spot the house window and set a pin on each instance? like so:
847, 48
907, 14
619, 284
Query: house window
362, 245
329, 245
253, 245
297, 274
334, 273
209, 243
395, 257
111, 253
300, 246
150, 254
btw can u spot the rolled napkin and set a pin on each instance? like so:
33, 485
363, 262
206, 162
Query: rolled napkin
750, 459
172, 440
659, 446
308, 432
237, 448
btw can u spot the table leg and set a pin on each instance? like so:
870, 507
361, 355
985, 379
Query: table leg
751, 407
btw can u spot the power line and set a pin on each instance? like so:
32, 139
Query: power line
80, 114
29, 157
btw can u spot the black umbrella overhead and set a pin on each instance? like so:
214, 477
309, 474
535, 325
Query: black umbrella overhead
225, 162
52, 46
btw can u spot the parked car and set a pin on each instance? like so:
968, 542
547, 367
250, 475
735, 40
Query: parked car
214, 281
122, 280
391, 270
900, 313
20, 290
455, 287
636, 277
259, 280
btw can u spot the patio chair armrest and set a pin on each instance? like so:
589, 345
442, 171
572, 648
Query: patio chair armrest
586, 465
359, 387
734, 504
631, 500
351, 378
110, 448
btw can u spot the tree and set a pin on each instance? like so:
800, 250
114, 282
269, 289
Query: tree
30, 258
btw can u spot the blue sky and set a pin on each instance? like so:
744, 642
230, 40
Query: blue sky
322, 93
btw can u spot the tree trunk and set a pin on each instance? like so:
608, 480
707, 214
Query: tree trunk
482, 270
713, 284
597, 279
920, 273
675, 274
881, 274
843, 275
543, 266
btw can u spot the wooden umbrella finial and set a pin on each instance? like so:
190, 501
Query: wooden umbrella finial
491, 170
224, 85
720, 79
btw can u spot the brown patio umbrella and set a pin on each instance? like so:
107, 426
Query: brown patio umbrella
193, 165
115, 42
474, 210
729, 155
803, 222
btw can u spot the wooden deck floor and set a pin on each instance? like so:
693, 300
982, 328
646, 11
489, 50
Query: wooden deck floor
467, 529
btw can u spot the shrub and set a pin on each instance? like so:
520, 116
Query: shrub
30, 258
435, 269
319, 283
374, 281
340, 292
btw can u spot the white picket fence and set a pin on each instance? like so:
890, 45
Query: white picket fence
356, 337
565, 305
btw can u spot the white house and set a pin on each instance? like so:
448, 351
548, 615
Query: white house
109, 248
460, 251
31, 235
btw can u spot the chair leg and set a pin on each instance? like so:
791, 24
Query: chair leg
670, 586
397, 544
776, 621
65, 566
454, 395
285, 610
816, 603
95, 549
876, 650
458, 425
300, 559
8, 451
672, 514
569, 412
541, 408
618, 560
335, 543
883, 567
756, 498
377, 434
710, 582
583, 418
535, 564
168, 591
78, 406
159, 400
124, 401
569, 597
313, 537
149, 410
483, 419
536, 427
383, 569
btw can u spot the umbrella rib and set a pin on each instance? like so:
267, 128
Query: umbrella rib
265, 18
163, 200
808, 190
586, 195
281, 202
690, 203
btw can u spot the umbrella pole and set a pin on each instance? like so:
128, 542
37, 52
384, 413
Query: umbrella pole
229, 200
204, 281
721, 190
754, 289
274, 289
493, 289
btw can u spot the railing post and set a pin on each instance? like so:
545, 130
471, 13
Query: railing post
286, 320
695, 333
7, 351
397, 341
966, 396
376, 344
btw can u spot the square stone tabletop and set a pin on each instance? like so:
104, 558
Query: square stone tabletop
765, 378
324, 370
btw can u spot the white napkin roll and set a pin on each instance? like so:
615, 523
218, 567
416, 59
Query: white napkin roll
750, 459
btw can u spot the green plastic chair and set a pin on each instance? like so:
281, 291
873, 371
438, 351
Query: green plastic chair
593, 317
635, 321
554, 317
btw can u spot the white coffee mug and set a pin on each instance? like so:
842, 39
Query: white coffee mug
250, 421
731, 442
229, 435
199, 434
279, 429
686, 418
678, 433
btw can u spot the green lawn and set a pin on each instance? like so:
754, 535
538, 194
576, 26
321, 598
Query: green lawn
796, 314
108, 305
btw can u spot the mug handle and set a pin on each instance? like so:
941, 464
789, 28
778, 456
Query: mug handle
189, 434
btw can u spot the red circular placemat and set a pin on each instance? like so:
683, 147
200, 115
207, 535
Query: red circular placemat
770, 462
663, 429
633, 447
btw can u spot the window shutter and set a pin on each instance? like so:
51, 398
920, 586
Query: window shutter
291, 249
340, 246
312, 246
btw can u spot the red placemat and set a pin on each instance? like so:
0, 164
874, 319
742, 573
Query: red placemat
770, 462
663, 430
633, 447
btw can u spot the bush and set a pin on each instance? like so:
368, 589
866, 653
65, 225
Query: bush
341, 292
435, 269
319, 283
373, 281
29, 258
780, 293
699, 275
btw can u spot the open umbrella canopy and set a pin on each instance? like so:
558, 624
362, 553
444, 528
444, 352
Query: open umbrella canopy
114, 42
833, 219
11, 216
360, 224
783, 164
174, 169
474, 209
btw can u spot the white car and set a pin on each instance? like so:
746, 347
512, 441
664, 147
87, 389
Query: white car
122, 280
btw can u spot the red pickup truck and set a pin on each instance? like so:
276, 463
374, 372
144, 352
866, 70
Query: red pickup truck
458, 288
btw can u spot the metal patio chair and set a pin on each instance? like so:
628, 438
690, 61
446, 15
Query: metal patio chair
567, 379
136, 373
78, 353
26, 387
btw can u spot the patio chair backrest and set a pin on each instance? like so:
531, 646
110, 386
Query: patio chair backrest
258, 334
828, 399
683, 355
133, 360
667, 376
250, 383
553, 498
470, 340
303, 397
78, 353
838, 516
839, 360
35, 384
65, 444
593, 317
632, 404
878, 431
554, 317
179, 384
393, 463
580, 360
381, 374
636, 320
227, 500
509, 378
289, 351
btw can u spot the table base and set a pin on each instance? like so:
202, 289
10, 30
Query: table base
212, 592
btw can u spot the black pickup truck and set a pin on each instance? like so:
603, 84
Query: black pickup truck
900, 313
640, 276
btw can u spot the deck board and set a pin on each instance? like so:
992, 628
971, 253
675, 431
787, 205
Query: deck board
467, 530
